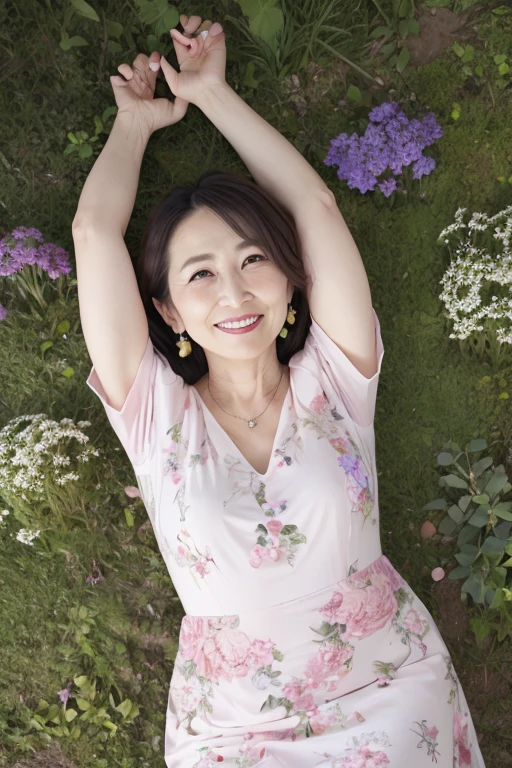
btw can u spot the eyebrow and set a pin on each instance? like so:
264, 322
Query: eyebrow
248, 242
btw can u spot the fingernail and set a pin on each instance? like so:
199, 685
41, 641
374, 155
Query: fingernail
154, 65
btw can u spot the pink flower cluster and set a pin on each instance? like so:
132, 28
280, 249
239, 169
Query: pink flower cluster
366, 758
219, 650
302, 700
462, 745
273, 551
366, 601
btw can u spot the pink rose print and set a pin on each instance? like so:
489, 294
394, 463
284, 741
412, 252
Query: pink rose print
412, 622
219, 650
366, 758
274, 527
462, 756
362, 610
330, 661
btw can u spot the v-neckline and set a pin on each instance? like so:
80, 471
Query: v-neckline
230, 442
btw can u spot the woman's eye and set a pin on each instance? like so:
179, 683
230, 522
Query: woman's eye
254, 256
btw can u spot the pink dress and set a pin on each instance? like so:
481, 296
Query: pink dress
301, 645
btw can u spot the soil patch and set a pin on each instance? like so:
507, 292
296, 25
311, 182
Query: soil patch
439, 27
453, 620
50, 758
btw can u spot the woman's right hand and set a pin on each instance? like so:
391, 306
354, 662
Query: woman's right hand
202, 59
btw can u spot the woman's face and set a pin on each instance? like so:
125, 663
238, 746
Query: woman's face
226, 279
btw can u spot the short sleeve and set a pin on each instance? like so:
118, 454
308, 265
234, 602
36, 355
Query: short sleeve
357, 393
134, 424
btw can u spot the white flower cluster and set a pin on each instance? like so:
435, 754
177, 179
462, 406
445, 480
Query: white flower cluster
473, 269
36, 453
27, 537
3, 515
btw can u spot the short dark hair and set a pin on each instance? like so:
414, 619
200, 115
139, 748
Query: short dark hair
251, 212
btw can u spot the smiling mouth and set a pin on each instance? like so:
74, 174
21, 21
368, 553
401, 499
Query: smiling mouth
238, 325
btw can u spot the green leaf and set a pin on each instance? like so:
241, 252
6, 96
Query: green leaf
479, 518
464, 502
45, 345
436, 504
381, 31
85, 150
464, 558
461, 572
129, 517
477, 445
265, 20
77, 41
499, 576
70, 715
492, 546
113, 47
503, 510
403, 59
114, 29
467, 534
498, 599
504, 68
84, 9
497, 481
447, 526
124, 707
483, 498
110, 725
500, 58
444, 459
469, 54
474, 586
458, 49
354, 94
481, 465
456, 514
480, 627
454, 481
82, 704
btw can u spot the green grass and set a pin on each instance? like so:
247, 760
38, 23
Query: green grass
431, 387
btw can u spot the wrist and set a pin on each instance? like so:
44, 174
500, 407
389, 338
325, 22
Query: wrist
133, 126
211, 94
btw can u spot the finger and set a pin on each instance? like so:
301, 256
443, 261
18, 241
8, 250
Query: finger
192, 24
118, 81
154, 61
169, 73
125, 70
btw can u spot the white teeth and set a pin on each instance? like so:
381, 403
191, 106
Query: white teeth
241, 324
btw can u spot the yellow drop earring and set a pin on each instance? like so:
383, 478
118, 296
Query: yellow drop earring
290, 319
184, 345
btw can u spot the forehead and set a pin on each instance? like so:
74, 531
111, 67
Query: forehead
201, 232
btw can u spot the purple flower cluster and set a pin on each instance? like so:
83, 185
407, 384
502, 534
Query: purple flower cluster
26, 247
391, 141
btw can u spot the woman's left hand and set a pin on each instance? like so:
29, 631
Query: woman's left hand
202, 59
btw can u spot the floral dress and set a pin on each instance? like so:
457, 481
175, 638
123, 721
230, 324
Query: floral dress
301, 645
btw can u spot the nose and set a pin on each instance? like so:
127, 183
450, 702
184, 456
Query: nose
234, 292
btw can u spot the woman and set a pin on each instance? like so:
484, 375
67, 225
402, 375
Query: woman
254, 448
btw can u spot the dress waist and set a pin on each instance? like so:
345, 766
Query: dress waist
282, 662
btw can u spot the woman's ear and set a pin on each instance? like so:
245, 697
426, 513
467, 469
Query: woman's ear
170, 318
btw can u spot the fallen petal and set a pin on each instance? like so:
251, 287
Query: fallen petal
428, 530
438, 574
132, 492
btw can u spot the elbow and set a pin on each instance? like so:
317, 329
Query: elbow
327, 197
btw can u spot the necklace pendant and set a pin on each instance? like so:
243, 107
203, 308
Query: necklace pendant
251, 423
